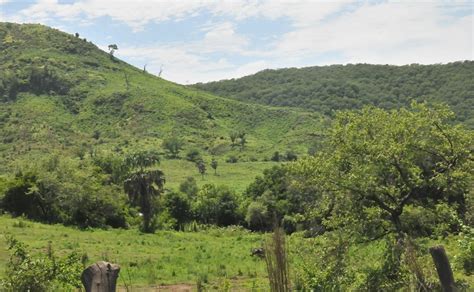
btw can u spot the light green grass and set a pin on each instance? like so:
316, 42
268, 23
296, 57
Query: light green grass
236, 176
167, 257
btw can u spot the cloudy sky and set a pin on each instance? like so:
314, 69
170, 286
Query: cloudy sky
198, 41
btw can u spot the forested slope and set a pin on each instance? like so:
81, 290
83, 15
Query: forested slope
328, 88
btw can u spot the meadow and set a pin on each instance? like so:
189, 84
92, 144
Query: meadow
216, 257
236, 176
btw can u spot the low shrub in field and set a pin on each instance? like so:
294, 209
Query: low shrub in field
42, 272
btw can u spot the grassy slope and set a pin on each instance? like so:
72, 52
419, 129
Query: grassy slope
134, 116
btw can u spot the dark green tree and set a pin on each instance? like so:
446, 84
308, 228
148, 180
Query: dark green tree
173, 145
112, 49
214, 165
201, 166
144, 184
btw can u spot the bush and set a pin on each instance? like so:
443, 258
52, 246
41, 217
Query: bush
42, 272
257, 217
232, 159
193, 155
178, 206
189, 187
276, 156
291, 156
216, 205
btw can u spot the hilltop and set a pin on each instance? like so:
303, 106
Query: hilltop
338, 87
61, 93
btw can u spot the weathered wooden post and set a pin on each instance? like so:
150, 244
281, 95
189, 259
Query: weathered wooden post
443, 268
100, 277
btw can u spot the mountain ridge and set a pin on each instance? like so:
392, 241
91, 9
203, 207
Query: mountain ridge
325, 89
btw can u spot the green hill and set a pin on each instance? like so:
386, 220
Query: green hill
328, 88
60, 93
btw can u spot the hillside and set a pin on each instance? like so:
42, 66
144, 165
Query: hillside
328, 88
60, 93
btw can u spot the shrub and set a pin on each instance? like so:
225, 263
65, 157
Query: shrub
276, 156
216, 205
232, 159
257, 217
189, 187
42, 272
291, 156
193, 155
178, 206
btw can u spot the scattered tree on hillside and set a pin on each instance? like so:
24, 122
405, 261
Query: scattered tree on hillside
112, 49
233, 137
189, 187
144, 184
201, 166
173, 145
214, 165
243, 140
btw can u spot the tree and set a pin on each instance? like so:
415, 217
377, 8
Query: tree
386, 160
112, 49
243, 140
201, 166
216, 205
193, 155
214, 165
173, 145
144, 184
189, 187
233, 137
179, 207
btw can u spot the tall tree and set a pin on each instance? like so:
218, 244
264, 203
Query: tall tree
112, 48
201, 166
173, 145
214, 165
386, 160
144, 184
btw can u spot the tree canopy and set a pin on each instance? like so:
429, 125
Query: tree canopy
386, 160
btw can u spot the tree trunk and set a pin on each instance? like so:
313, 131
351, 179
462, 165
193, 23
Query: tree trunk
100, 277
443, 268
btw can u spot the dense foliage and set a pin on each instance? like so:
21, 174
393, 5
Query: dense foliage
43, 272
338, 87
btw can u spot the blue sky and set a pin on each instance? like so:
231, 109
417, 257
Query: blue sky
199, 41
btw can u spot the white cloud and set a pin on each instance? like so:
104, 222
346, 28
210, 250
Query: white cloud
398, 32
380, 32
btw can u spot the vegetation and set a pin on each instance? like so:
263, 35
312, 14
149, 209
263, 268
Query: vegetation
143, 185
149, 260
44, 272
83, 135
340, 87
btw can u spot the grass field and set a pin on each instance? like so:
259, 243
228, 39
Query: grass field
236, 176
218, 256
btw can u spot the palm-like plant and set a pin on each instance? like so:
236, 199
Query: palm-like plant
144, 184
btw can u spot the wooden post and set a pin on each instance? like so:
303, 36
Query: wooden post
443, 268
100, 277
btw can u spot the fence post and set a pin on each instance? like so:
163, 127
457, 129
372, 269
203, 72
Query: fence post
443, 268
100, 277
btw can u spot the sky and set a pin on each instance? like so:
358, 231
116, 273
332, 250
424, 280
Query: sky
199, 41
